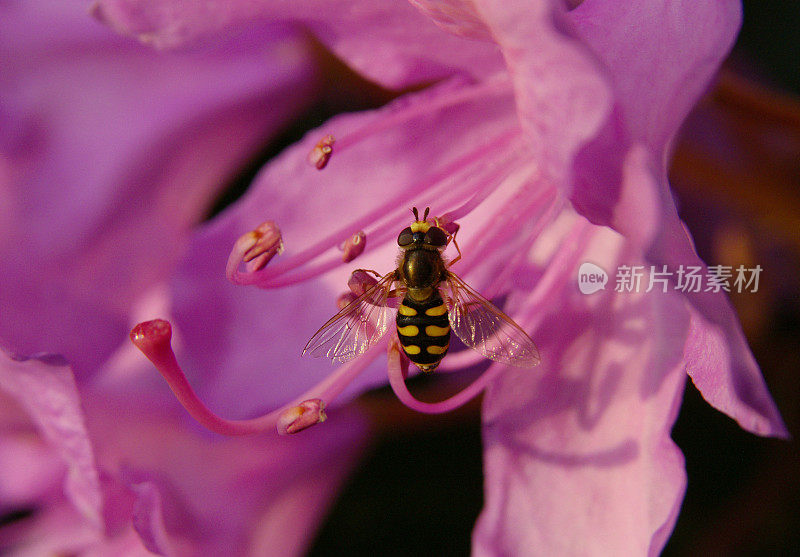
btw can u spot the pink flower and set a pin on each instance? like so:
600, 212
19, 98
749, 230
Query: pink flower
110, 155
538, 139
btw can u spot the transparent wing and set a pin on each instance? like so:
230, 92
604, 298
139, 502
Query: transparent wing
356, 327
483, 327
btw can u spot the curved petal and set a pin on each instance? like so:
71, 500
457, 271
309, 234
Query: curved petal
561, 95
578, 457
45, 388
718, 357
148, 519
30, 469
93, 125
682, 43
205, 495
387, 41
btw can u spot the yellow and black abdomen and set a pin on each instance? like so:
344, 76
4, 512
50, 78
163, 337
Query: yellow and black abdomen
424, 330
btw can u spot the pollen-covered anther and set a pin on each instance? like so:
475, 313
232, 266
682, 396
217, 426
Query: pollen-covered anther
360, 281
262, 244
345, 300
450, 227
321, 153
354, 246
255, 248
300, 417
446, 223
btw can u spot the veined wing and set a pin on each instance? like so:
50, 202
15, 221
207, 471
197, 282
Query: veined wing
356, 327
483, 327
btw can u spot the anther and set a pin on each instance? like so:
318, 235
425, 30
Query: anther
302, 416
321, 153
255, 249
354, 246
360, 281
345, 300
446, 223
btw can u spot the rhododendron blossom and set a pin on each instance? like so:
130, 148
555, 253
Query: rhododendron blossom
540, 133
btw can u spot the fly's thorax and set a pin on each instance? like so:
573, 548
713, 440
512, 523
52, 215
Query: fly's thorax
424, 330
421, 269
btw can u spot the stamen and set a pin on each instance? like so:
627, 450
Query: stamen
398, 372
321, 153
255, 249
466, 208
536, 224
354, 246
517, 211
459, 175
302, 416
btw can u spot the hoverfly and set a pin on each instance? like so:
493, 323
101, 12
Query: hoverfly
434, 302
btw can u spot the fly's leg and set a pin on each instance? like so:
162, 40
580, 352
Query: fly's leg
393, 293
452, 238
376, 273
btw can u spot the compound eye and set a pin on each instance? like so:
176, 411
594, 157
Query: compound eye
406, 237
436, 237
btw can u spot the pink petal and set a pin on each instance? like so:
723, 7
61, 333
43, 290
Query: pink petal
718, 357
456, 16
55, 529
216, 495
148, 520
92, 126
562, 97
661, 56
30, 471
45, 388
620, 188
578, 455
724, 371
389, 42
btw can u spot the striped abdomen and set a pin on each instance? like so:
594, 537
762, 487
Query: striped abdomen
424, 330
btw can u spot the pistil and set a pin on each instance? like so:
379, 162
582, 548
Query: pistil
153, 338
